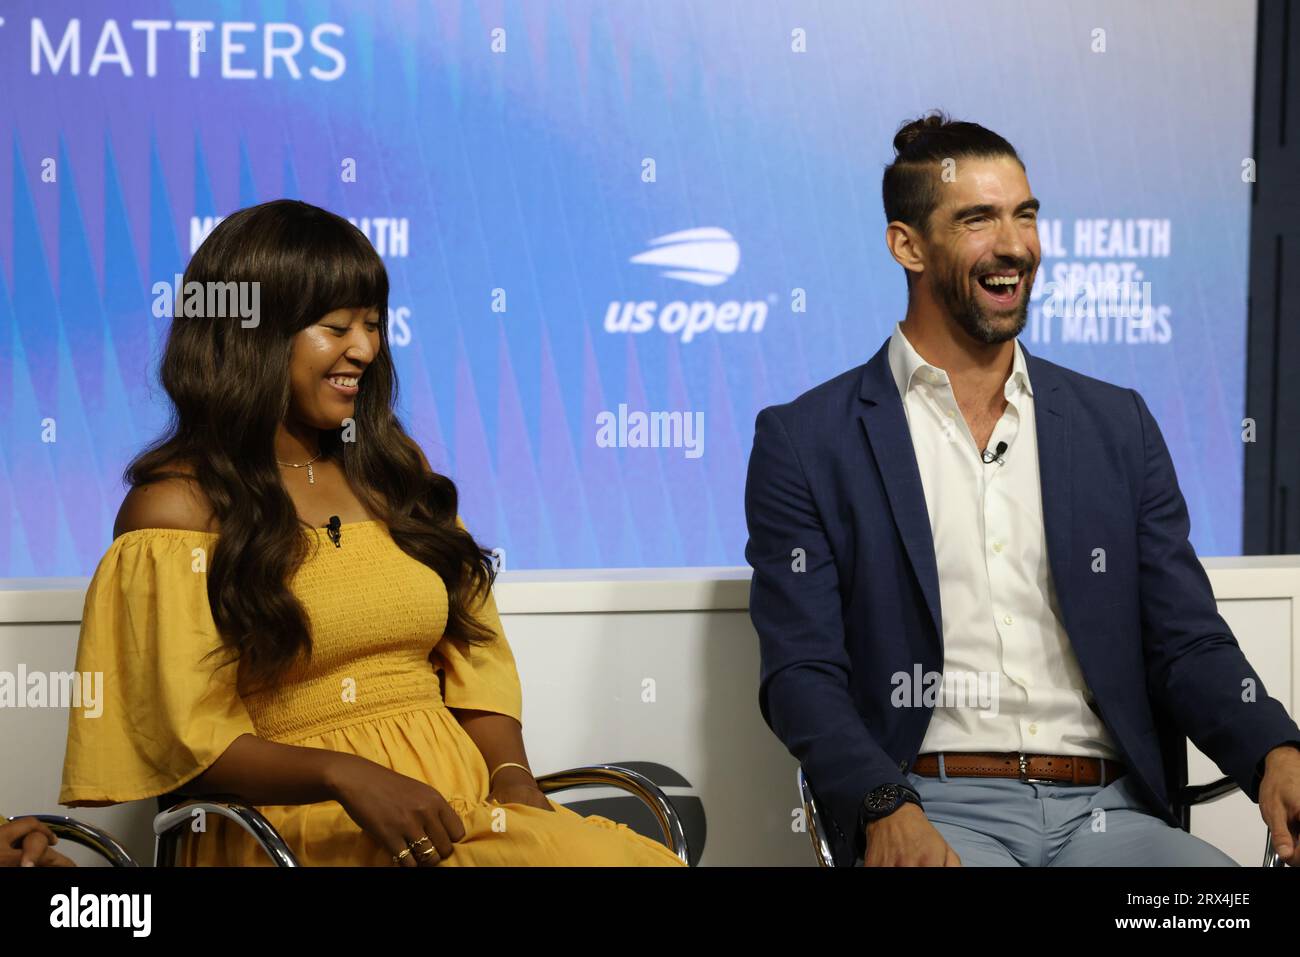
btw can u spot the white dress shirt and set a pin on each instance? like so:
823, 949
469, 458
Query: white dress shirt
1002, 631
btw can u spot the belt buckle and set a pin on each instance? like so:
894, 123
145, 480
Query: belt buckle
1024, 773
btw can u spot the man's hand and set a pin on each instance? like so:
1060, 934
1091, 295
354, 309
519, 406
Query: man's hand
1279, 801
906, 838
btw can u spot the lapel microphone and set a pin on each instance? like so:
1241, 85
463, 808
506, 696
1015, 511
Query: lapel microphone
988, 458
335, 530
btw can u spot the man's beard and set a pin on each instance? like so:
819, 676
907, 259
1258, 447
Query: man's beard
968, 310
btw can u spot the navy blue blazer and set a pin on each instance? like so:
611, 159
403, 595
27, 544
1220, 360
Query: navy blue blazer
845, 589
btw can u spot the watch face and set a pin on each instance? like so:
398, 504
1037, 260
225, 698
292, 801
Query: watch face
883, 798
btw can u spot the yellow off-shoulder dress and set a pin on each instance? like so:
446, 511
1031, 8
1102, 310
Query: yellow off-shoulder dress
379, 684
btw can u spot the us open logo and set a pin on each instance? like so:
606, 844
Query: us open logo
707, 256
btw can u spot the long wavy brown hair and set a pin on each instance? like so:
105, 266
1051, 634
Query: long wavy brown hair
230, 390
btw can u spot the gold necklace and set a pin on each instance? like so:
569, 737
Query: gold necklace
311, 476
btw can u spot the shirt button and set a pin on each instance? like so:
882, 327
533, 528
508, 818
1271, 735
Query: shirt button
951, 414
1033, 729
997, 547
1006, 619
902, 765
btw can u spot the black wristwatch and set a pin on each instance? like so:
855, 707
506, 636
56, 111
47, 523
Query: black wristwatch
881, 802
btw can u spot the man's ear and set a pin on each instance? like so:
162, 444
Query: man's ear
907, 247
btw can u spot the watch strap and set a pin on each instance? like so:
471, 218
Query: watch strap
907, 794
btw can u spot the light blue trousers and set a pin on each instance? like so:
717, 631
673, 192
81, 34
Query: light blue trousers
1003, 822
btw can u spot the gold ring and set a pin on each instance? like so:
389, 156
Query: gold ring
415, 844
402, 856
431, 850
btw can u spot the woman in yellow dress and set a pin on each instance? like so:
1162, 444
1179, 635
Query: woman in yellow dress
355, 685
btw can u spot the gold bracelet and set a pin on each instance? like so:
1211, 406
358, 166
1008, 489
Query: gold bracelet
508, 764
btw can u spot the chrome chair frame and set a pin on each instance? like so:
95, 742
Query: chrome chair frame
169, 824
1196, 794
635, 783
87, 835
1192, 795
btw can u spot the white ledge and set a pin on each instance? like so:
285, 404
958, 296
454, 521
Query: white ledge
593, 590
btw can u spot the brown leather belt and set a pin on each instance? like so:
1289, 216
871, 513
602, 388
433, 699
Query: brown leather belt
1030, 768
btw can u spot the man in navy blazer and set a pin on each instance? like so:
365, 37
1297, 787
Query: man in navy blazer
1069, 587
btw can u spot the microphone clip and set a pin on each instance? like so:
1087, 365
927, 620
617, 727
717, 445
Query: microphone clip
335, 531
989, 457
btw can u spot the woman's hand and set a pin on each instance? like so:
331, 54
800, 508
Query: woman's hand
395, 810
521, 794
24, 842
513, 785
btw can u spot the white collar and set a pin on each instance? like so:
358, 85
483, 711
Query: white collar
906, 363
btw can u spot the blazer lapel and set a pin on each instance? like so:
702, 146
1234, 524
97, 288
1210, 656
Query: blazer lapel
885, 426
886, 429
1052, 418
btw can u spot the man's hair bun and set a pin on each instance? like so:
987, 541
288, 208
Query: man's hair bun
909, 133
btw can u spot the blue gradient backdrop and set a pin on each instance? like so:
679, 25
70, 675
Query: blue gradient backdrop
522, 171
